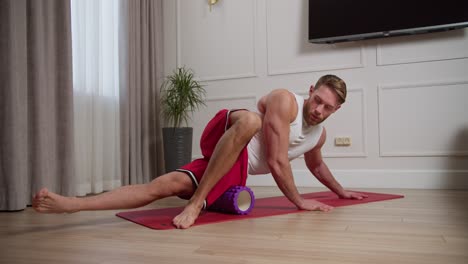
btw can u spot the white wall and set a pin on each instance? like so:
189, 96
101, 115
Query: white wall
406, 111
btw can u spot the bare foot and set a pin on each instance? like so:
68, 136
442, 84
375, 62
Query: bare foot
48, 202
188, 216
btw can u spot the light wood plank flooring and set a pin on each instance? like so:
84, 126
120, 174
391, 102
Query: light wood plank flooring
427, 226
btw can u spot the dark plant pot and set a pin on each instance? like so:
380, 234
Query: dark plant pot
177, 147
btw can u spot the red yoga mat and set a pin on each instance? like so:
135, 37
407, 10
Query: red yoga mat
161, 219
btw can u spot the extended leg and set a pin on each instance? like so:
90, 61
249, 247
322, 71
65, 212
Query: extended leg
130, 196
244, 125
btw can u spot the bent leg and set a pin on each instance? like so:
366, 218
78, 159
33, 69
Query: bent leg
244, 125
125, 197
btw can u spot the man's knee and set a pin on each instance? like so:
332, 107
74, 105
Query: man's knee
246, 123
171, 184
252, 122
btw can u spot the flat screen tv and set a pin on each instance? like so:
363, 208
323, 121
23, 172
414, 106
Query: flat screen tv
349, 20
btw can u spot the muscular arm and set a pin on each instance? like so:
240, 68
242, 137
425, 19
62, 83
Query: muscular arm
280, 109
317, 166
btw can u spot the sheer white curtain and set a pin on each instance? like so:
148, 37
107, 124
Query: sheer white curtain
96, 94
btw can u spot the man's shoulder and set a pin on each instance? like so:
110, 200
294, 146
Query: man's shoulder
283, 95
282, 101
281, 91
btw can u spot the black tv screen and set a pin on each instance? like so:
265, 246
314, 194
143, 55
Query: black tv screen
348, 20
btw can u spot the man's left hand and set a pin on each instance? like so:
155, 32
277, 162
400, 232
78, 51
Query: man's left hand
353, 195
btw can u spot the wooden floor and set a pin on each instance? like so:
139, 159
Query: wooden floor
427, 226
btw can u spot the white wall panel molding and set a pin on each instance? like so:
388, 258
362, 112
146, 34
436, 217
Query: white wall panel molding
232, 97
288, 49
315, 66
214, 44
423, 48
423, 119
406, 179
361, 151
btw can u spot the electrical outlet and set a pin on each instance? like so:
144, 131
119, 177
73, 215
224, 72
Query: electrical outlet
343, 141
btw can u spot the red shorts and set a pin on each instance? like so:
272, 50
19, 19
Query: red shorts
237, 175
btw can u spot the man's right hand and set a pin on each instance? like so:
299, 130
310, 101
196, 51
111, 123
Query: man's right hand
313, 205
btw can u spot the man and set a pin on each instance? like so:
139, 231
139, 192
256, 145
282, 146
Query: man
264, 141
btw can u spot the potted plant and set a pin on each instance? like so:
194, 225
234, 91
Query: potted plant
181, 95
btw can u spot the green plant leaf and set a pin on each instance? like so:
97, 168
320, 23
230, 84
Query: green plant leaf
181, 95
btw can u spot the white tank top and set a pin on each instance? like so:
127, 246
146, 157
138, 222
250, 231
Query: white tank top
302, 138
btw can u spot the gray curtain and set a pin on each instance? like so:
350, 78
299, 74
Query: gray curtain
141, 73
36, 100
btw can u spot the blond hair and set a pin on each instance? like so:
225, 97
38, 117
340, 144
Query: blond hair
335, 83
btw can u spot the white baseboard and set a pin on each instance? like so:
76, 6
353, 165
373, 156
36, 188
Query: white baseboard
405, 179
